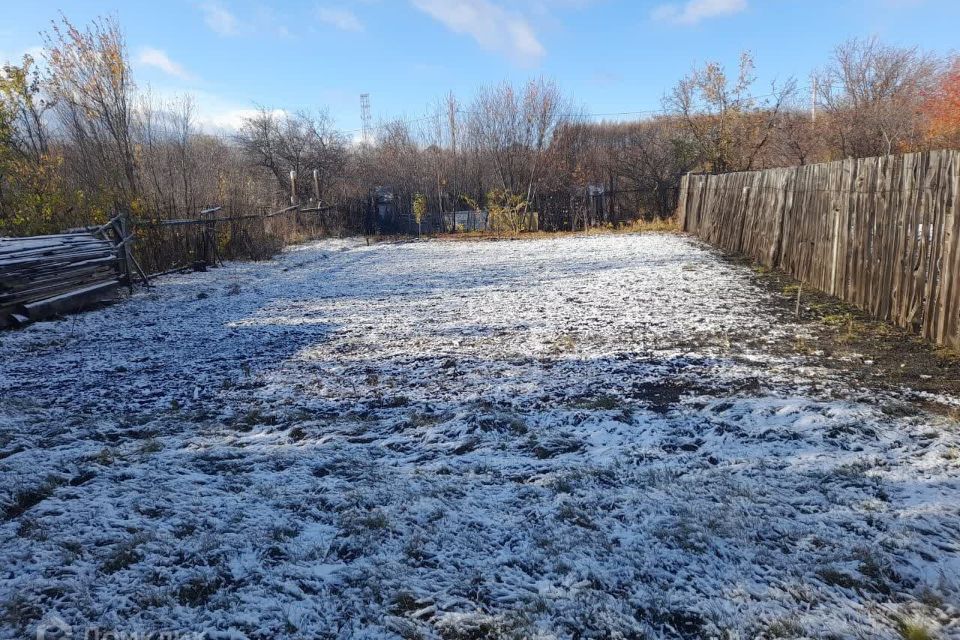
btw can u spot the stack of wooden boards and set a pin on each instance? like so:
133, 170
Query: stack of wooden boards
42, 276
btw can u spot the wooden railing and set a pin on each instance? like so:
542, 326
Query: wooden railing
42, 276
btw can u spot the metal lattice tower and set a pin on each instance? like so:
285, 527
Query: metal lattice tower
365, 117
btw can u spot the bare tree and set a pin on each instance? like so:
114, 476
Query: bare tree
299, 142
91, 83
872, 94
730, 126
165, 132
514, 129
652, 156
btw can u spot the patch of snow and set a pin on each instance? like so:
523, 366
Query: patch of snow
544, 438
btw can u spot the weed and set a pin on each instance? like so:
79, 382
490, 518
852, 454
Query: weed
26, 498
374, 520
151, 445
564, 343
197, 591
575, 515
105, 457
256, 416
395, 402
420, 419
404, 602
877, 569
415, 550
930, 598
21, 611
602, 402
124, 555
836, 578
785, 628
281, 533
30, 528
913, 631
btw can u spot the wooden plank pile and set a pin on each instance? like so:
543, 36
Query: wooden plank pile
41, 276
881, 233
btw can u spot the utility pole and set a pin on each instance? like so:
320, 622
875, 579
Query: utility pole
813, 100
452, 123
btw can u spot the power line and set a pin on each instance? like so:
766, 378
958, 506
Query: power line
368, 129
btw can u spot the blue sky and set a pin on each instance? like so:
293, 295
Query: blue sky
612, 56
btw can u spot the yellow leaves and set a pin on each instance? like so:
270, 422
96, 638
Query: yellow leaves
35, 198
470, 202
419, 207
507, 211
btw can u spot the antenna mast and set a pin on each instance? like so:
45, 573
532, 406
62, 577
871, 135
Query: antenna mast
366, 132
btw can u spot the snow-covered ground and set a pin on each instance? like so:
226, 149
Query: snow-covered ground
576, 437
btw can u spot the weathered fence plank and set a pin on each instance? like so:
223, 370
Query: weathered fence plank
882, 233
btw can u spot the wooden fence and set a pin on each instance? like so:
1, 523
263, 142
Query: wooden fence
41, 276
881, 233
165, 245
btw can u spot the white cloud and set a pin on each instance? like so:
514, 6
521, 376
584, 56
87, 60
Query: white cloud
694, 11
258, 20
342, 19
219, 18
212, 112
493, 27
228, 120
16, 57
158, 59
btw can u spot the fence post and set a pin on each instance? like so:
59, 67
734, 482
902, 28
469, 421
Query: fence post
123, 229
209, 229
682, 202
200, 253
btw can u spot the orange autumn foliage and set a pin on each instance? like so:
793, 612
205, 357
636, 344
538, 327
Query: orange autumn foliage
942, 108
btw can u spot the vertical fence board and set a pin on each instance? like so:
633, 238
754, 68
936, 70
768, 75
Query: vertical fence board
881, 233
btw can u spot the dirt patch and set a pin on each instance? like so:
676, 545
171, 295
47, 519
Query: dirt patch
840, 336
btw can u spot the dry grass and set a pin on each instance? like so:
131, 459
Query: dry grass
636, 226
